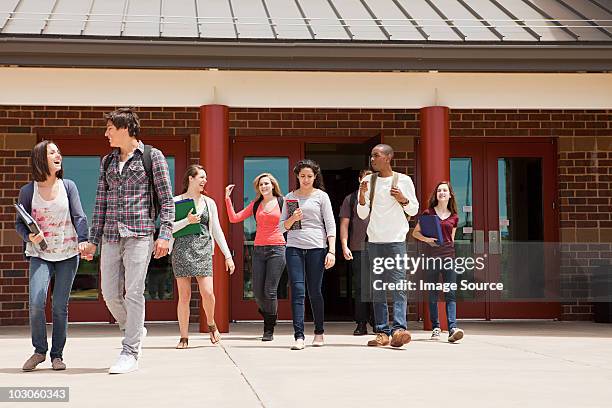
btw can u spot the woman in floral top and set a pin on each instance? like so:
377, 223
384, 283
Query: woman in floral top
55, 205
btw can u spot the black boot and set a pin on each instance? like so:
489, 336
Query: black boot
269, 323
361, 330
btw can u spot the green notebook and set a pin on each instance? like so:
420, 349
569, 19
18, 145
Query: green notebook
181, 209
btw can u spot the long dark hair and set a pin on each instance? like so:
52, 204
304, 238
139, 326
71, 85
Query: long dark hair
452, 203
40, 163
191, 171
316, 169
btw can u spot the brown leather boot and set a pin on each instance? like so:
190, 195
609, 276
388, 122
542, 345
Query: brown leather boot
381, 340
400, 337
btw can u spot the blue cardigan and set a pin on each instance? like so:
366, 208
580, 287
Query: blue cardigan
79, 219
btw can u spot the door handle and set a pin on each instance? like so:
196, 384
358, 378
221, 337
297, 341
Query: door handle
479, 245
495, 242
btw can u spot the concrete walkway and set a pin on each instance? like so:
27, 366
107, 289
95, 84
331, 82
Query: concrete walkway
507, 364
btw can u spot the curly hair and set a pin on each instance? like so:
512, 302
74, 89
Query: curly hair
316, 169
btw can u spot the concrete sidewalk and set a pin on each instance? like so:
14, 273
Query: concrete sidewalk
508, 364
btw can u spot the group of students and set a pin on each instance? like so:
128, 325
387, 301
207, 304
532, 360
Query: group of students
134, 189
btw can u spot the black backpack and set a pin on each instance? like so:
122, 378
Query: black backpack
280, 200
147, 163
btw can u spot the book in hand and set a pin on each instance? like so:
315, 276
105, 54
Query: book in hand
181, 209
431, 228
30, 223
293, 205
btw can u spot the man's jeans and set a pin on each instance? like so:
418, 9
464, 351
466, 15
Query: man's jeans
306, 268
393, 275
41, 272
123, 266
268, 267
449, 276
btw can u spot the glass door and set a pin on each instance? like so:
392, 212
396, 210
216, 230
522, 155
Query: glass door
250, 159
506, 193
467, 178
521, 230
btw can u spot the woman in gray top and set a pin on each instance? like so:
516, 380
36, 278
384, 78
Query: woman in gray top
311, 245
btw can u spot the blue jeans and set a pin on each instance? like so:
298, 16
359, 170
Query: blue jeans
379, 297
448, 276
306, 268
41, 272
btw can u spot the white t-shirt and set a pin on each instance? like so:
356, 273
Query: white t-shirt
54, 219
387, 221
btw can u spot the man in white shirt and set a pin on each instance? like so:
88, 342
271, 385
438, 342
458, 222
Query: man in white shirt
389, 204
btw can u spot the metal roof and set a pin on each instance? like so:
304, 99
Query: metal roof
337, 20
458, 35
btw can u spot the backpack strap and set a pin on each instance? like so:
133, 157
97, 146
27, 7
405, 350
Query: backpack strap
394, 184
280, 200
256, 206
147, 163
373, 179
106, 164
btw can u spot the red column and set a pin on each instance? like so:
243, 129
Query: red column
435, 167
214, 156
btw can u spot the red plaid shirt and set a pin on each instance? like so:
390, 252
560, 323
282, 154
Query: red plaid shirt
123, 208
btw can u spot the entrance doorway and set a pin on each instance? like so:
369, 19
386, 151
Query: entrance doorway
340, 163
507, 217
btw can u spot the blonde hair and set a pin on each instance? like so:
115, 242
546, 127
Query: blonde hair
276, 190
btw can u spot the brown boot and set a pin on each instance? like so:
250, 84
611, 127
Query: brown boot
33, 361
400, 337
57, 364
381, 340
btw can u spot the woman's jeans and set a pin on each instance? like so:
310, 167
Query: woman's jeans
268, 267
448, 276
306, 268
41, 272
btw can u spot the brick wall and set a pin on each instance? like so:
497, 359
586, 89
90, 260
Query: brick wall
20, 128
14, 172
585, 145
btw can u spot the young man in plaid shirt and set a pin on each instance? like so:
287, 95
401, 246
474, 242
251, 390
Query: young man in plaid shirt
124, 223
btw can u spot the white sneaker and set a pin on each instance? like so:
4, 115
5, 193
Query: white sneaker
124, 364
435, 334
318, 341
144, 334
298, 345
455, 335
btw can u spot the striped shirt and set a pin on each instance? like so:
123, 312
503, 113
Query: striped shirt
123, 201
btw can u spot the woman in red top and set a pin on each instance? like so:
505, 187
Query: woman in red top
269, 251
443, 205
